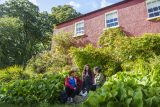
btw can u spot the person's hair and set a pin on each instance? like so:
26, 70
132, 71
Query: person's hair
89, 70
97, 69
72, 71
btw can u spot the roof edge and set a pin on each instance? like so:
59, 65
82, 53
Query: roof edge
92, 12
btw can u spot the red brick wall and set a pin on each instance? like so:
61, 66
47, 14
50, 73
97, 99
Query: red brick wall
132, 18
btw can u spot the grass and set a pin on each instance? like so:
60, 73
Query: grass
42, 105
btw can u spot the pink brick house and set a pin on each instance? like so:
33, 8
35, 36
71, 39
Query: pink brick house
135, 17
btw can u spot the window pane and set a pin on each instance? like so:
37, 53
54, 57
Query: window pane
78, 25
151, 15
112, 24
155, 8
158, 2
116, 23
108, 25
107, 21
152, 4
115, 19
156, 14
111, 20
150, 10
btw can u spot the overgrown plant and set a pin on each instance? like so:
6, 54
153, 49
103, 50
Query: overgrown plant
13, 73
95, 57
62, 42
40, 89
129, 89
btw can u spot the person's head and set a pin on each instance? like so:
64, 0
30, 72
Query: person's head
97, 70
86, 67
72, 73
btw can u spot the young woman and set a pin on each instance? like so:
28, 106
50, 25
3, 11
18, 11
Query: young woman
87, 78
99, 78
71, 86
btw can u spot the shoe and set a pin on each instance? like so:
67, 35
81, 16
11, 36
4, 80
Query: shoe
81, 93
71, 100
84, 94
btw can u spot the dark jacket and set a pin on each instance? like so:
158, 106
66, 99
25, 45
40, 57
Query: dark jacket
90, 74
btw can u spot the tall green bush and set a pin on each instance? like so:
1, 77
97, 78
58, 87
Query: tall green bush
55, 60
95, 57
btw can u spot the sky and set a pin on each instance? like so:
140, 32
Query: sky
83, 6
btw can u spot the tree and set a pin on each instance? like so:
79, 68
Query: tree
11, 38
36, 26
64, 13
34, 32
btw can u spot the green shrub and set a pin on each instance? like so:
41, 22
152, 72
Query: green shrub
111, 37
139, 87
125, 90
46, 62
144, 47
95, 57
55, 60
62, 42
40, 89
13, 73
130, 48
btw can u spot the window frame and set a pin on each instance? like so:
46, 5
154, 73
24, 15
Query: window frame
106, 19
75, 29
150, 18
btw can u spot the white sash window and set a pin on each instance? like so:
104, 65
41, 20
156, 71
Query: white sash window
111, 19
153, 7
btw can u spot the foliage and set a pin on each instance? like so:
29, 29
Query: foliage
34, 29
111, 37
46, 62
64, 13
62, 42
95, 57
40, 89
11, 41
55, 60
129, 89
12, 73
33, 34
116, 51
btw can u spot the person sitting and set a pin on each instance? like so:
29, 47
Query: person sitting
71, 86
99, 78
87, 79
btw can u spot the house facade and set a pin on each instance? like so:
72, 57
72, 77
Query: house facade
135, 17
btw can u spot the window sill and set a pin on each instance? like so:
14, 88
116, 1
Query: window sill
79, 35
111, 27
154, 18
